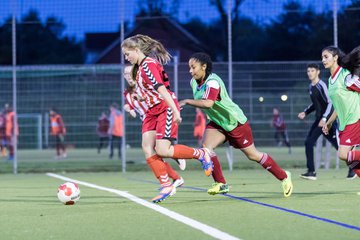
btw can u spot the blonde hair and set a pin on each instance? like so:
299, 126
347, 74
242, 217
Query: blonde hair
148, 46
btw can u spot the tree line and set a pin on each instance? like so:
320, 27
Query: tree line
298, 33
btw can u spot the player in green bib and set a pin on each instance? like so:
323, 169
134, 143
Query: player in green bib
344, 91
227, 123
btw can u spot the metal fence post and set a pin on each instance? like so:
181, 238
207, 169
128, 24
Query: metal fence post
230, 153
13, 23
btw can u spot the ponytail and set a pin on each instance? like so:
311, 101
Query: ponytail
134, 71
149, 47
351, 61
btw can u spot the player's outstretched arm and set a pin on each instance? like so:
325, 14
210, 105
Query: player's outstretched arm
201, 103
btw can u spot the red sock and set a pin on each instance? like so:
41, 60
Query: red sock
158, 167
269, 164
217, 171
353, 161
185, 152
357, 172
171, 172
353, 156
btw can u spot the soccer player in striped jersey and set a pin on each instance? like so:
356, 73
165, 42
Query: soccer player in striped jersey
227, 121
322, 105
136, 105
102, 130
160, 126
344, 92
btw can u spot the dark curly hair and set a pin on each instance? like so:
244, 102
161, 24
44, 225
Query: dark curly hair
203, 58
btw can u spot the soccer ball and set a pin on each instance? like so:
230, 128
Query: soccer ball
68, 193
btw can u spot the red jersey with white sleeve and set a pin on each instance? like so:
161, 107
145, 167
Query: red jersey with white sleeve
352, 83
150, 76
212, 91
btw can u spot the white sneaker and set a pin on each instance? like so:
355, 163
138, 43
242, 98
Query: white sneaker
178, 182
64, 155
182, 163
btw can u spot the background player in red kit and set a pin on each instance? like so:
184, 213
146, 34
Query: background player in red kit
102, 129
278, 123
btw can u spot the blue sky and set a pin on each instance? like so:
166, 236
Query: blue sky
82, 16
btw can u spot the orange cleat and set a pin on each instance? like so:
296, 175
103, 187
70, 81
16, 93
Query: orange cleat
206, 162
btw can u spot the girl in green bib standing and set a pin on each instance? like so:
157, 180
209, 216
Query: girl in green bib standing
227, 123
344, 92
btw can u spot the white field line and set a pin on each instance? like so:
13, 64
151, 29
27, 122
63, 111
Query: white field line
213, 232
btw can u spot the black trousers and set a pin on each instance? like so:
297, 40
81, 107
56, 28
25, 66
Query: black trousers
284, 135
313, 135
60, 144
102, 141
114, 139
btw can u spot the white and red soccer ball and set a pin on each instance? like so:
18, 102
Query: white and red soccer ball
68, 193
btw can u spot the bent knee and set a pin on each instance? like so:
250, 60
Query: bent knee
255, 156
343, 156
161, 151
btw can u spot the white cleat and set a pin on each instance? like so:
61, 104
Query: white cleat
178, 182
181, 163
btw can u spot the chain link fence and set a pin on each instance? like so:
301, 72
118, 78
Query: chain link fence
66, 54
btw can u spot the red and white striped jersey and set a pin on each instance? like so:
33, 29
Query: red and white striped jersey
150, 76
139, 105
352, 83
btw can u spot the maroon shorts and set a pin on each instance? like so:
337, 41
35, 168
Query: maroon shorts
240, 137
350, 136
160, 119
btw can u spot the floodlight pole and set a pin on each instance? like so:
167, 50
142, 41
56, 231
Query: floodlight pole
122, 61
335, 23
176, 75
230, 75
13, 140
